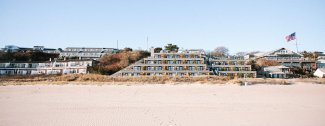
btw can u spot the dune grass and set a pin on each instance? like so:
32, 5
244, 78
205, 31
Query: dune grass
103, 79
282, 81
96, 78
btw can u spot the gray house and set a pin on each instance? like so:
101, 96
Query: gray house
276, 71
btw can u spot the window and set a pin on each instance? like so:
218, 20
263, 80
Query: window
136, 68
283, 51
149, 68
170, 68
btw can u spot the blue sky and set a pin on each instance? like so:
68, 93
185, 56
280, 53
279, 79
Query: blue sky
237, 24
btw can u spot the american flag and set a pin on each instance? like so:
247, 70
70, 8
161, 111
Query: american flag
291, 37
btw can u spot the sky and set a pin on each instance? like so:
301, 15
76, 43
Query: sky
239, 25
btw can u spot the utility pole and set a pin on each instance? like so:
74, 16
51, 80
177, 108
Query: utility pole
297, 45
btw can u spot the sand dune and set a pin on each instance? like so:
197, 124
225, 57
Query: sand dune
162, 105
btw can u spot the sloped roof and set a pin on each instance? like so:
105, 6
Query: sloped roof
275, 68
321, 61
274, 52
259, 54
283, 67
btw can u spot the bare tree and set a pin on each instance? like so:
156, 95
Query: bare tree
220, 51
264, 62
241, 53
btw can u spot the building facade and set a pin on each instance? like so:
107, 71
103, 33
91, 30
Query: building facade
181, 63
276, 72
86, 53
320, 72
13, 49
45, 68
320, 63
290, 58
231, 66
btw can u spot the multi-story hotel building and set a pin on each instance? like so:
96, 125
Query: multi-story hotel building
86, 53
46, 68
181, 63
231, 66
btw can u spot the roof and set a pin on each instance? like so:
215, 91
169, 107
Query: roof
283, 67
259, 54
48, 49
275, 68
87, 48
274, 52
87, 52
277, 72
321, 61
321, 57
82, 60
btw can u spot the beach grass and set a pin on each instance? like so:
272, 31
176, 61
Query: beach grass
104, 79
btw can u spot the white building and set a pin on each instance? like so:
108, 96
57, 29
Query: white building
320, 72
36, 68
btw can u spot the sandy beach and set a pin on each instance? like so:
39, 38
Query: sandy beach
162, 105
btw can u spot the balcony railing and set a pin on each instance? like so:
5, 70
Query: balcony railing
154, 58
170, 65
254, 72
168, 71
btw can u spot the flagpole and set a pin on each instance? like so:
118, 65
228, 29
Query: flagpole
297, 44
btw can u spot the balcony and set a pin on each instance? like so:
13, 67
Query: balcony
253, 72
167, 71
152, 58
231, 65
170, 65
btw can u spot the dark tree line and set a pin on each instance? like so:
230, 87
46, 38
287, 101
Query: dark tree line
27, 56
